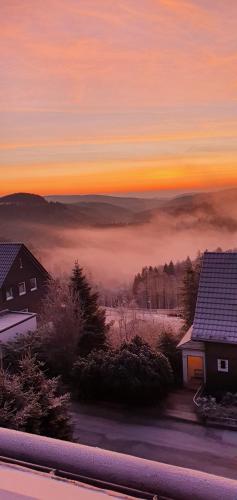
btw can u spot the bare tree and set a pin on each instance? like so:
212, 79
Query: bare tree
61, 326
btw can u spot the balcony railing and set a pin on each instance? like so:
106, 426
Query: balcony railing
117, 471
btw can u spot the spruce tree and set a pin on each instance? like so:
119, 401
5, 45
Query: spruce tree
190, 290
166, 269
171, 268
94, 328
31, 402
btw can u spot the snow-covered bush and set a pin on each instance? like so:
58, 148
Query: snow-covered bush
31, 402
208, 407
132, 374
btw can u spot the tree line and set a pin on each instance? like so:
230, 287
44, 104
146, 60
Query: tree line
160, 287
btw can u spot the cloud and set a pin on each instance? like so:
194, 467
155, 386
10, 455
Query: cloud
189, 11
115, 58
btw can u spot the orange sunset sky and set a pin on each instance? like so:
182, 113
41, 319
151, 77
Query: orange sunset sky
105, 96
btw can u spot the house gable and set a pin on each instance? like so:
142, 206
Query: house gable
23, 269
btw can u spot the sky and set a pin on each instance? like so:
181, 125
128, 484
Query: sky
105, 96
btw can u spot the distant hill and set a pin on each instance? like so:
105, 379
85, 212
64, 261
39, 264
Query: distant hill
134, 204
212, 210
23, 199
103, 213
25, 207
202, 210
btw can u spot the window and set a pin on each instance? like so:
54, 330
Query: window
33, 284
223, 365
20, 262
9, 294
22, 288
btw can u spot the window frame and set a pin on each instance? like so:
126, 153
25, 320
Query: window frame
24, 284
12, 295
219, 367
32, 289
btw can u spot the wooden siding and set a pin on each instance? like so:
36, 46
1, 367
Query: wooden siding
30, 269
215, 380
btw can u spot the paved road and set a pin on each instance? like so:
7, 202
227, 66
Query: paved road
168, 441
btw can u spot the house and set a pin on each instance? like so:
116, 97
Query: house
23, 280
209, 348
15, 322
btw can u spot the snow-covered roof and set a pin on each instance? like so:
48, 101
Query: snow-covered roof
186, 338
187, 343
18, 482
9, 319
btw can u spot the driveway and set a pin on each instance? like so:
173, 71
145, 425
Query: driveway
164, 440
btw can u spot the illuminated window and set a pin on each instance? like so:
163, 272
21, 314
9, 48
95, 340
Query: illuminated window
223, 365
33, 284
22, 288
9, 294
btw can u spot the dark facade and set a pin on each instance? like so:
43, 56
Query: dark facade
215, 325
217, 378
25, 282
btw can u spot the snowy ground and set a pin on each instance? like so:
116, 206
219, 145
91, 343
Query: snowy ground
145, 314
126, 323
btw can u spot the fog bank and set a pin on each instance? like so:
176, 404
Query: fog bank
113, 255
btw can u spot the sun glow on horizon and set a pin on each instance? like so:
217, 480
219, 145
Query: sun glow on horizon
131, 96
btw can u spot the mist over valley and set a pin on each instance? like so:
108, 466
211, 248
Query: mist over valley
114, 237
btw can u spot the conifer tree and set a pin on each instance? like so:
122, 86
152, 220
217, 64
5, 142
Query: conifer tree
94, 328
166, 269
31, 402
190, 290
171, 268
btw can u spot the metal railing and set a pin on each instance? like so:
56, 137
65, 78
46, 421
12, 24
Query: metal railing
198, 395
121, 471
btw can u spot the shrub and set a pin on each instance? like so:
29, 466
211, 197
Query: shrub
208, 407
32, 403
132, 374
167, 344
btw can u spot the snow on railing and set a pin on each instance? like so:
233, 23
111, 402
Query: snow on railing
118, 469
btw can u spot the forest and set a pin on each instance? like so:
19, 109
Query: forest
154, 287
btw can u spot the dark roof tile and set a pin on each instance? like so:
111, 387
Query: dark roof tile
216, 310
8, 253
